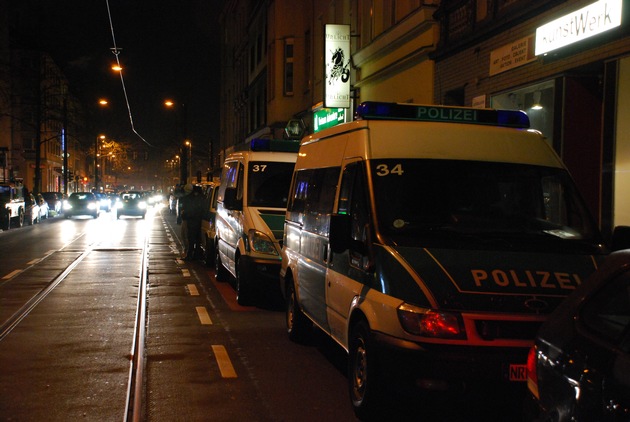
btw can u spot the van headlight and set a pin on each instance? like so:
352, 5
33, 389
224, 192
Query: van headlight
430, 323
261, 243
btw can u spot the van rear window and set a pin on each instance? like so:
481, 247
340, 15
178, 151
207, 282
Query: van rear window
493, 205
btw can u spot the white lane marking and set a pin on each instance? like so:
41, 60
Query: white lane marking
192, 290
223, 360
203, 315
34, 261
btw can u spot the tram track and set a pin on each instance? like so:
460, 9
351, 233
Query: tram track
26, 288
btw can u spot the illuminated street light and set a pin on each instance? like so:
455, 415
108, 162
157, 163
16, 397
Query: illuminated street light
116, 68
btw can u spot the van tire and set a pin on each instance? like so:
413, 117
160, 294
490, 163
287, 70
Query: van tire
298, 325
364, 379
221, 274
244, 296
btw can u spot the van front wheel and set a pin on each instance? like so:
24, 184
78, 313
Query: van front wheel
364, 378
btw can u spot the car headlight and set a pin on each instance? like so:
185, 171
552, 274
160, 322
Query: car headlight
91, 206
66, 205
142, 205
430, 323
261, 243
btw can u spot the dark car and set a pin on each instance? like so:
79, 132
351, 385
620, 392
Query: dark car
579, 367
55, 203
131, 203
81, 203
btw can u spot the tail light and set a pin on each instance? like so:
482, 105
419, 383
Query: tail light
430, 323
532, 375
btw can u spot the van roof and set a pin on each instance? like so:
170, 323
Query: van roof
384, 139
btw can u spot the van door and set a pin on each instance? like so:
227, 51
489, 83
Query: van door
351, 272
309, 215
229, 220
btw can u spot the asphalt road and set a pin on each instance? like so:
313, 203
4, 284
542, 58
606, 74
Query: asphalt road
206, 357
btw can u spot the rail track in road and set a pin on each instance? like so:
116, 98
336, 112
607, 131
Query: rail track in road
92, 278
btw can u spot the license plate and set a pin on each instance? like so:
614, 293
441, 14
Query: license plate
517, 373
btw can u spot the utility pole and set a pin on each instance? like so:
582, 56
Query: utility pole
64, 139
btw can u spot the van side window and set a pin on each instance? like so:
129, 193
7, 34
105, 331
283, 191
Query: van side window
353, 201
229, 178
312, 198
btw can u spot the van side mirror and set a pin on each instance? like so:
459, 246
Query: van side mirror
620, 238
230, 201
339, 234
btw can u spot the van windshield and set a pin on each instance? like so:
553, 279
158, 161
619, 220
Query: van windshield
268, 184
489, 205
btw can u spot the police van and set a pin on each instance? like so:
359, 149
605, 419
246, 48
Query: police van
250, 211
431, 242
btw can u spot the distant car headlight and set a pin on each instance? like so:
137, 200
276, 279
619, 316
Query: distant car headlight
142, 205
91, 206
67, 205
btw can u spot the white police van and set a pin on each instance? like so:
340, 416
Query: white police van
431, 243
250, 211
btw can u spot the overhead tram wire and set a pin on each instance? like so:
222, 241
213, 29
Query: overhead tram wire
116, 51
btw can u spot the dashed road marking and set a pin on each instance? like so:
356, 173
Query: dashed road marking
192, 290
11, 274
185, 272
203, 315
223, 360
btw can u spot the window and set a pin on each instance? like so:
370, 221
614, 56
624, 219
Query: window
313, 197
288, 66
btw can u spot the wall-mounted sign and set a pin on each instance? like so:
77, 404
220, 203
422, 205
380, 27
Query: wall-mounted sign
328, 117
591, 20
512, 55
337, 66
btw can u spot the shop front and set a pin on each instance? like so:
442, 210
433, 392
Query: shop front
567, 67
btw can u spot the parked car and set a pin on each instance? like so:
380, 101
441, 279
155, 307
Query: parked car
132, 203
55, 203
81, 203
32, 210
44, 208
579, 367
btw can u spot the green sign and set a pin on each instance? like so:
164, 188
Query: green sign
328, 117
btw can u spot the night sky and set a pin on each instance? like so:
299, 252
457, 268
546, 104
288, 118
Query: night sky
169, 49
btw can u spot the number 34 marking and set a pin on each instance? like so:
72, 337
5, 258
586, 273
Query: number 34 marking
385, 170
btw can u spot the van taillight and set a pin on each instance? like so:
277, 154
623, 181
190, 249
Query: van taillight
430, 323
532, 375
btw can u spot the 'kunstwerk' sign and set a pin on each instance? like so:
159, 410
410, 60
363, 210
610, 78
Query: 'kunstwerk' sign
591, 20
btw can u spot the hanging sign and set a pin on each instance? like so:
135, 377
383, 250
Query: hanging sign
337, 66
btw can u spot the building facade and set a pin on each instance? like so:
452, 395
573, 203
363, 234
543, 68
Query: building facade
566, 63
479, 53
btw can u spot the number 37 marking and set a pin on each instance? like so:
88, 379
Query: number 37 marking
385, 170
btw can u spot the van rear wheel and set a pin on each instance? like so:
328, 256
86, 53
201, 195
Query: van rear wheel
364, 378
298, 325
220, 272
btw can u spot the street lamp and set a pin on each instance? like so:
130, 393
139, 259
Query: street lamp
188, 168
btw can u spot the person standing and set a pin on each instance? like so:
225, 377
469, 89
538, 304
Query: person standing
192, 212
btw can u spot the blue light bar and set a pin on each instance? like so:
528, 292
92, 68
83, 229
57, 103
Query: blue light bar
372, 110
276, 145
